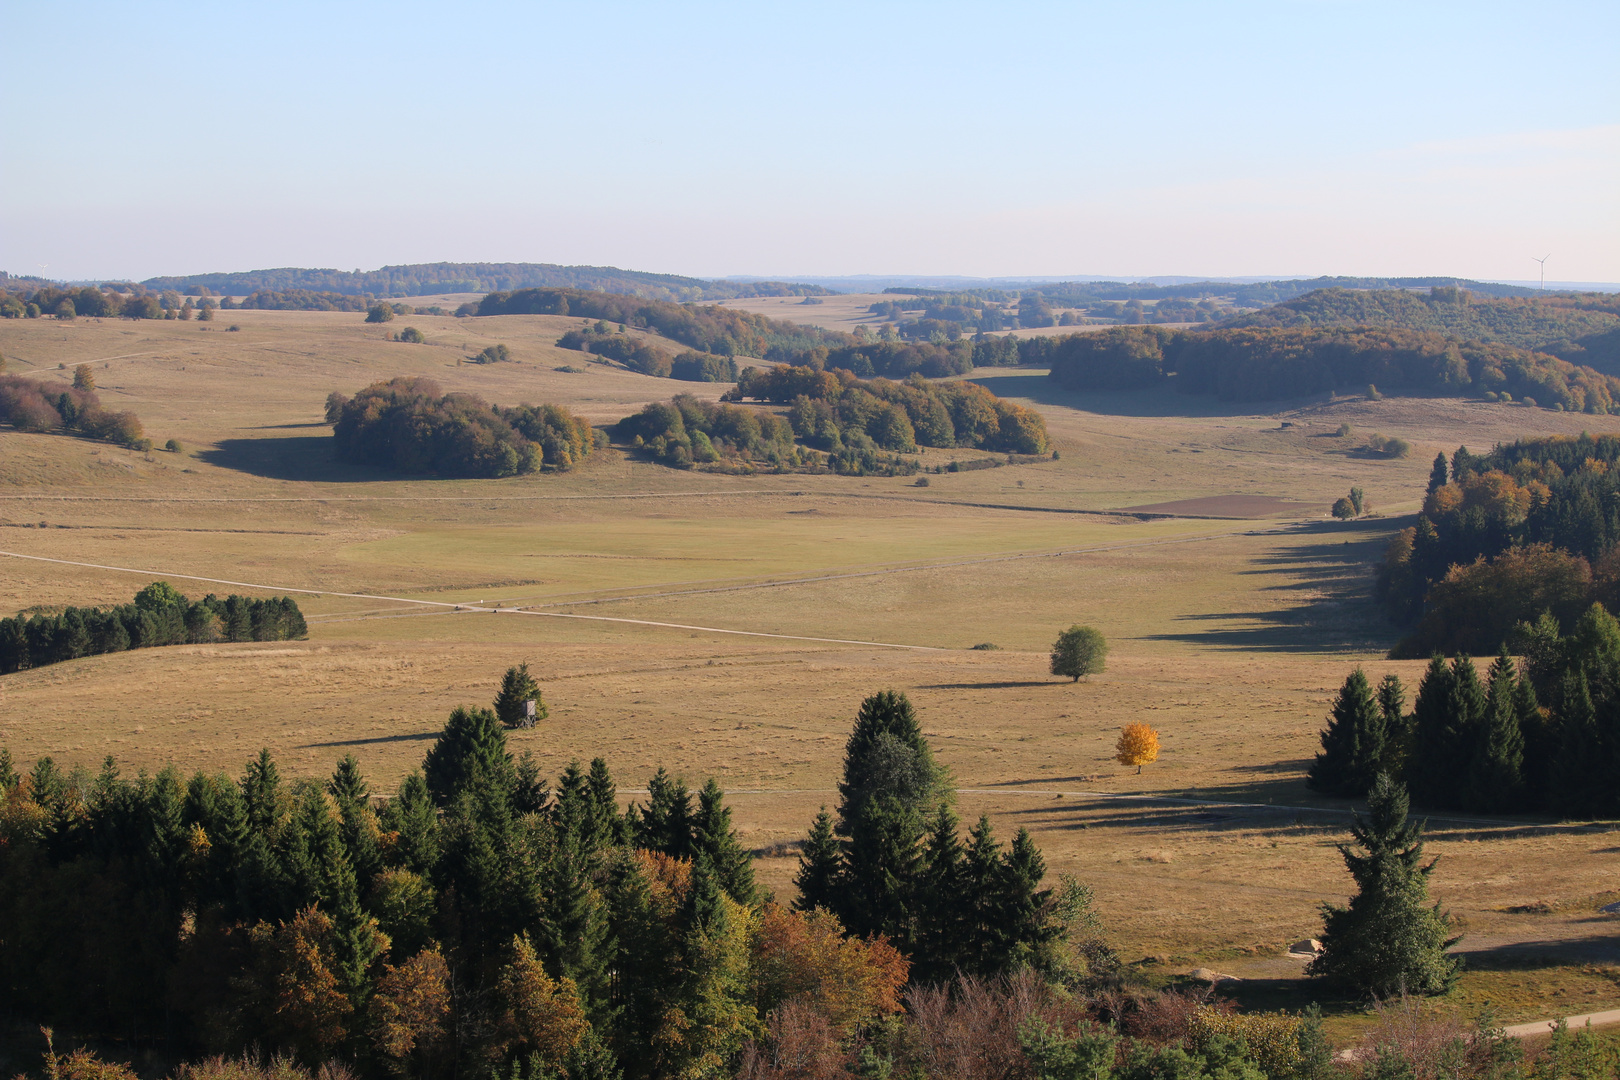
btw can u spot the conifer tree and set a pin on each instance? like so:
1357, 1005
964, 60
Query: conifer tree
1539, 738
1025, 928
517, 688
644, 960
8, 772
530, 793
708, 1015
577, 936
261, 791
887, 757
1594, 647
716, 840
981, 950
1354, 742
1434, 734
472, 743
1577, 779
1388, 940
820, 867
1437, 474
665, 825
1397, 726
1496, 773
608, 828
940, 910
412, 815
882, 857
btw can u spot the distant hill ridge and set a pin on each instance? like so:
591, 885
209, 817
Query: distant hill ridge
428, 279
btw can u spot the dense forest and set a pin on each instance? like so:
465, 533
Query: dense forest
159, 615
481, 923
305, 300
710, 329
29, 405
1259, 364
1583, 328
105, 302
1532, 526
427, 279
1542, 735
409, 425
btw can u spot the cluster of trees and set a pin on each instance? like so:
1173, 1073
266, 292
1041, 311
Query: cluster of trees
1583, 328
1543, 734
710, 329
432, 279
600, 339
409, 425
305, 300
159, 615
829, 407
1263, 363
483, 923
685, 431
28, 405
888, 359
1530, 527
102, 302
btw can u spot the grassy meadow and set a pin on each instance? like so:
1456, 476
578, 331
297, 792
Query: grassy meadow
1231, 627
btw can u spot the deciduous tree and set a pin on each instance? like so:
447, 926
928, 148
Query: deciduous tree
1138, 745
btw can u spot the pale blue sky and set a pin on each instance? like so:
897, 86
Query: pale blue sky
830, 138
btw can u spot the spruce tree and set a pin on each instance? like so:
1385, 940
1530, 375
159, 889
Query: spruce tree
1540, 743
717, 841
1576, 778
1397, 725
530, 793
517, 688
887, 757
1437, 474
1025, 928
882, 857
472, 743
1594, 647
1436, 739
412, 815
665, 825
577, 936
8, 772
1354, 742
608, 828
1495, 775
820, 867
1388, 940
939, 902
982, 949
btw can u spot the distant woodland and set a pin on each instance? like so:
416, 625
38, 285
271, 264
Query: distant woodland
1257, 364
426, 279
412, 426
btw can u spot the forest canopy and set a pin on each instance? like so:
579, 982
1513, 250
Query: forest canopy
1258, 364
411, 426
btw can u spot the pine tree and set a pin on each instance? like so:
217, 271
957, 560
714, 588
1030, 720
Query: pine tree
1576, 779
412, 815
517, 688
1397, 725
1434, 735
665, 825
708, 1015
1437, 474
577, 936
887, 757
820, 867
1354, 742
981, 950
471, 743
939, 902
1540, 744
1387, 940
716, 840
643, 968
608, 828
881, 861
1025, 929
8, 772
530, 793
1495, 775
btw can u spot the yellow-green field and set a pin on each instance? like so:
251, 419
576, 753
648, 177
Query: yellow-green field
645, 599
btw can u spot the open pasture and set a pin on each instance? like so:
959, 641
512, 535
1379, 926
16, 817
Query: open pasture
619, 582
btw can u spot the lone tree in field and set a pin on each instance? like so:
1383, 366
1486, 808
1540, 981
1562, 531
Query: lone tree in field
1079, 650
1389, 939
517, 687
1344, 509
84, 378
1138, 745
380, 312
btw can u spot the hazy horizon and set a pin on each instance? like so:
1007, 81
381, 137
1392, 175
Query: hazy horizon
725, 140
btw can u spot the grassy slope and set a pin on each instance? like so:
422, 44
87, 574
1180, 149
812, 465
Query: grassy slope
1229, 636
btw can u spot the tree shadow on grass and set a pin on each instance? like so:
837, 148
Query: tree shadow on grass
1331, 584
1161, 400
290, 457
420, 736
992, 685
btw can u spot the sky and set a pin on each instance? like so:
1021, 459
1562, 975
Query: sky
1293, 137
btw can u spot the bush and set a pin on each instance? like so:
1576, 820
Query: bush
492, 354
1343, 509
174, 446
380, 313
412, 335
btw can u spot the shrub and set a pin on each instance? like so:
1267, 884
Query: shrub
492, 354
174, 446
380, 313
412, 335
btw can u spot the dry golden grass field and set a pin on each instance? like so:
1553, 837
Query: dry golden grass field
730, 625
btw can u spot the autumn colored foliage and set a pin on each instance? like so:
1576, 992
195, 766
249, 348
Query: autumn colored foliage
1138, 745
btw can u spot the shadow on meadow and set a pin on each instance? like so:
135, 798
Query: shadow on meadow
1329, 606
290, 457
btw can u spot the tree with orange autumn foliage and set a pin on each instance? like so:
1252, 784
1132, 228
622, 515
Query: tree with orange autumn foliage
806, 957
293, 990
540, 1015
411, 1012
1138, 745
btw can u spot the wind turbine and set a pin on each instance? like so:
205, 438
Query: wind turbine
1543, 262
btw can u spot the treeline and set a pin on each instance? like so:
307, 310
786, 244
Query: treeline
1543, 735
159, 615
29, 405
482, 923
305, 300
1261, 364
428, 279
599, 339
711, 329
411, 426
1580, 328
826, 406
1255, 293
104, 302
1532, 526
